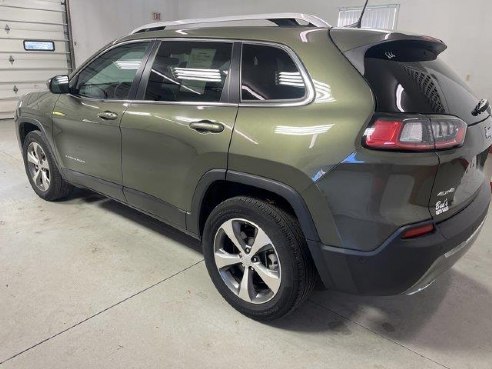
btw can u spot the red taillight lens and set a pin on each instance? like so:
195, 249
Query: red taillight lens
415, 134
418, 231
383, 134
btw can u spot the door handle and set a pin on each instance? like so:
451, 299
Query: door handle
204, 126
108, 115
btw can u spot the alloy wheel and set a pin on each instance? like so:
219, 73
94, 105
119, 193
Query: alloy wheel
247, 261
38, 166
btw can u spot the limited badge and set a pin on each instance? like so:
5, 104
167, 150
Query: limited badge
447, 192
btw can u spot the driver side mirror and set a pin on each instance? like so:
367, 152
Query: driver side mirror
59, 85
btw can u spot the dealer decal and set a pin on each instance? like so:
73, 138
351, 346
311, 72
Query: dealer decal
442, 207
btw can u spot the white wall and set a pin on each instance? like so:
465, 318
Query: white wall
97, 22
463, 25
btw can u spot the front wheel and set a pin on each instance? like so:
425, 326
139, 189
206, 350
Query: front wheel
41, 169
257, 258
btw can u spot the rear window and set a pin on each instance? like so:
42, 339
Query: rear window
406, 77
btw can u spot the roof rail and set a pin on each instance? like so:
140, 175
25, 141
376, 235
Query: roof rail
280, 19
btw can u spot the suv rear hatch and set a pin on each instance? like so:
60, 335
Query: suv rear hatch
408, 78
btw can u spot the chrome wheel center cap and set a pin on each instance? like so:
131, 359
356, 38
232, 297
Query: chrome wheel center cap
246, 261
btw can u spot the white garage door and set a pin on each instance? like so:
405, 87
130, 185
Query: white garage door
34, 46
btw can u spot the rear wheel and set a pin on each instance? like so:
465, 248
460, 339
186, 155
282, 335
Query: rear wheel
41, 170
257, 258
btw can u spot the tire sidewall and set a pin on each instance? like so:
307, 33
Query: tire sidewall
281, 240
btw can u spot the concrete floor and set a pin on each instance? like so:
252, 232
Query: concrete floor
89, 283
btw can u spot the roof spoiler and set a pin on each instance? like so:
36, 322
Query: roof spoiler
383, 43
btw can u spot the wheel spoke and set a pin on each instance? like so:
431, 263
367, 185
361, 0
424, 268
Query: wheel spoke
270, 277
246, 290
224, 259
45, 180
261, 240
39, 151
31, 158
44, 164
228, 229
36, 176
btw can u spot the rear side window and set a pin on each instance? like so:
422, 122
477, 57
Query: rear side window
189, 72
269, 73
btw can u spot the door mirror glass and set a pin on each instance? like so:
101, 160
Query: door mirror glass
59, 85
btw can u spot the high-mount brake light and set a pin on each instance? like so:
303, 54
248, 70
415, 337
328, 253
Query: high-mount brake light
415, 134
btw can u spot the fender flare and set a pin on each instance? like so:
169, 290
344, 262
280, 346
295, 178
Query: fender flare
23, 120
288, 193
35, 122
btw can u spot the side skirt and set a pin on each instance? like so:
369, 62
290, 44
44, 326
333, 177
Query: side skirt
134, 199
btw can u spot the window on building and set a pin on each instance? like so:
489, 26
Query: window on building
379, 16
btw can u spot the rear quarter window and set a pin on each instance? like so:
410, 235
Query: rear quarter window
268, 73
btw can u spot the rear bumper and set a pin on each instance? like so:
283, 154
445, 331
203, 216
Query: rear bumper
402, 265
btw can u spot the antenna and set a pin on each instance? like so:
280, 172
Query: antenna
358, 24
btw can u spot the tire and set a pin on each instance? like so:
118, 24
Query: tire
49, 185
290, 279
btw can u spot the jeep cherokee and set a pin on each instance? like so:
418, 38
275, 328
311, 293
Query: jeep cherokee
295, 153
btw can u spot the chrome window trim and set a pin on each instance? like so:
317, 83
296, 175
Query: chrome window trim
98, 100
187, 103
192, 103
305, 100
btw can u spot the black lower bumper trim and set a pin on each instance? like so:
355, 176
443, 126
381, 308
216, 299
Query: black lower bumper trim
402, 265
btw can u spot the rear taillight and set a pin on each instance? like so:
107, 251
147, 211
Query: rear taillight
448, 132
415, 133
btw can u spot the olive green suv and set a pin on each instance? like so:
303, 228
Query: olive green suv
295, 153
